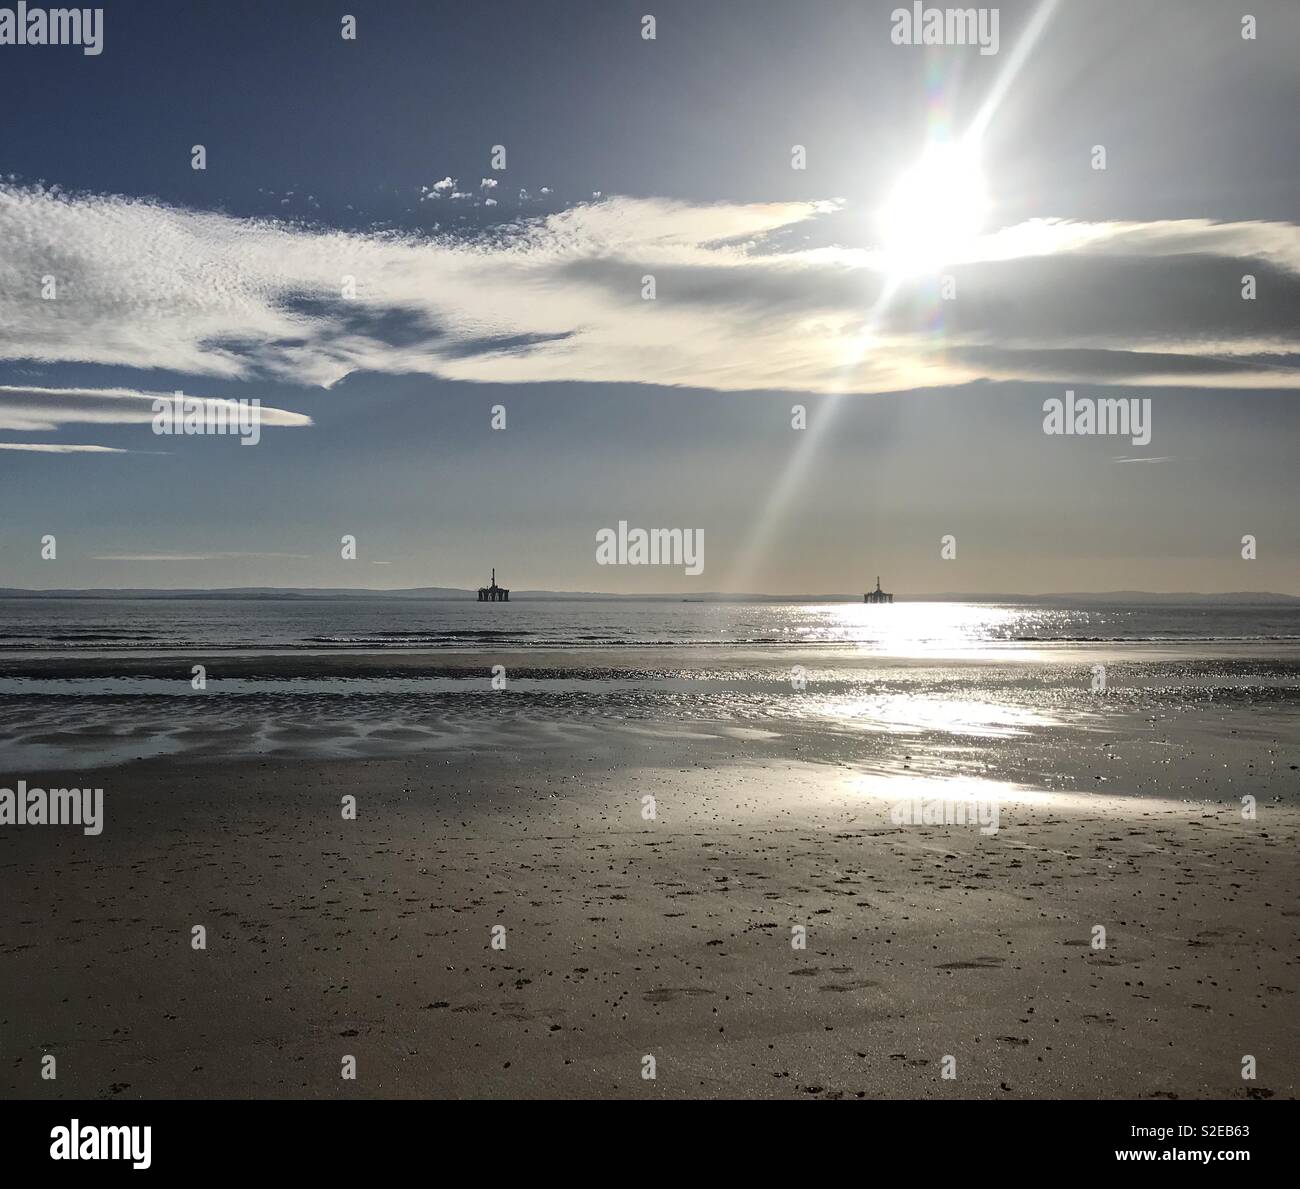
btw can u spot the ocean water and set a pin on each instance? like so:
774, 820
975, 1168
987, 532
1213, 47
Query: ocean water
160, 625
92, 682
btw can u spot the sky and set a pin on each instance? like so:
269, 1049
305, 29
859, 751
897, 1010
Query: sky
873, 263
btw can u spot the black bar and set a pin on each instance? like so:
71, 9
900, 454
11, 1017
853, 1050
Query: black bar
338, 1138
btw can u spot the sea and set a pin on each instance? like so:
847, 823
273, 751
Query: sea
88, 682
145, 625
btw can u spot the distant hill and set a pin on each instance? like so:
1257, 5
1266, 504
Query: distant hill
1124, 597
1128, 597
239, 592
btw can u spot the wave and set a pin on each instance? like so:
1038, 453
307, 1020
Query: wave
449, 641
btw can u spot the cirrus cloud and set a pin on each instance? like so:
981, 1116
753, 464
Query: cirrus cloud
60, 448
739, 305
28, 408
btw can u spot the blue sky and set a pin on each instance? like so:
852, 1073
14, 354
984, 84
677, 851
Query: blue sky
775, 287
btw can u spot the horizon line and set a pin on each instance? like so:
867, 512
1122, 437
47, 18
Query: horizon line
839, 596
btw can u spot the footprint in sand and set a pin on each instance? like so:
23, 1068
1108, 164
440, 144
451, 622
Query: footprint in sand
1229, 936
668, 994
980, 963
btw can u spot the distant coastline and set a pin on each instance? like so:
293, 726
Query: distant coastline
456, 594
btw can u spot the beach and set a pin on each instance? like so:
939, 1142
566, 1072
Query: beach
768, 870
573, 554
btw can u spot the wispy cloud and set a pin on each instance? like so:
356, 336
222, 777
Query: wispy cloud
23, 407
191, 556
60, 448
739, 304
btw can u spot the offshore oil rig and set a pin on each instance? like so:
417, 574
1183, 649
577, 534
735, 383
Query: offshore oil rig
493, 593
877, 595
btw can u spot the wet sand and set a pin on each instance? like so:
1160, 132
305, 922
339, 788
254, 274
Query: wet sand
672, 937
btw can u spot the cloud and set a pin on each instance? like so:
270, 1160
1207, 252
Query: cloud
190, 556
35, 409
741, 300
60, 448
436, 190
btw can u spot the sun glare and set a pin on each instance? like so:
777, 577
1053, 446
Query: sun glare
935, 211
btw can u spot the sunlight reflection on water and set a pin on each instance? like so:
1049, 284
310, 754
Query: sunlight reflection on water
891, 790
906, 713
906, 629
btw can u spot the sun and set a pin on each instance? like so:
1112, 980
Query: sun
935, 211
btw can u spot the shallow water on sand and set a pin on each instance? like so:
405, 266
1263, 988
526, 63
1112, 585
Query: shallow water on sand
94, 719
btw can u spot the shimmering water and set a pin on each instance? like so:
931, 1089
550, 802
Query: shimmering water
88, 625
